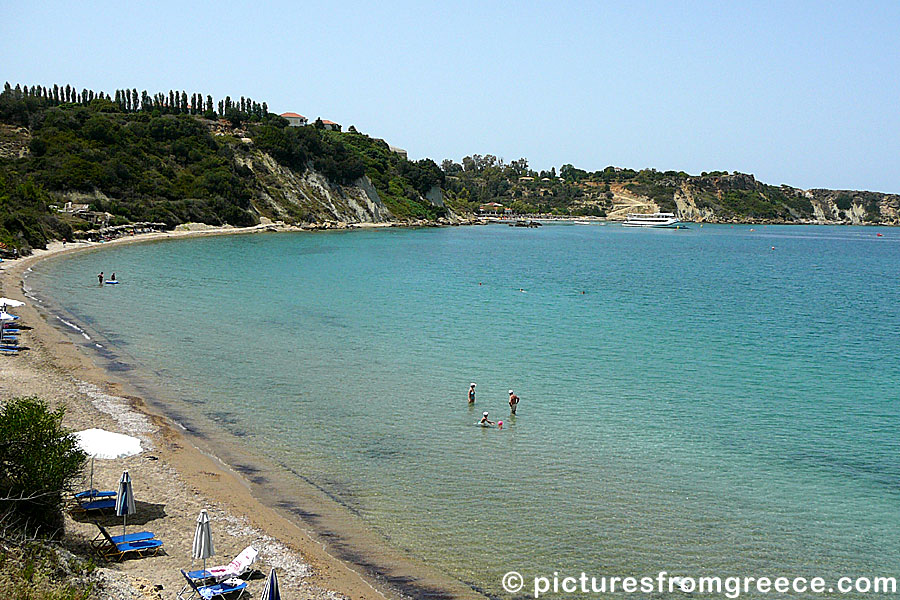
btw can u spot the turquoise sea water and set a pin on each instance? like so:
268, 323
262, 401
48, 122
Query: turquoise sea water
709, 405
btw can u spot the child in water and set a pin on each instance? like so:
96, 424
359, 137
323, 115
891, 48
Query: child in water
484, 422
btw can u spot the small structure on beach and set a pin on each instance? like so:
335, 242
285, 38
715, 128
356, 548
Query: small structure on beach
116, 231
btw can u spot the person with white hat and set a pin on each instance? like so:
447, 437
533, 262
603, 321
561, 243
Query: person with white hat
513, 402
485, 422
472, 393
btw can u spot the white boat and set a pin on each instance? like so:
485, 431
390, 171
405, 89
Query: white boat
654, 220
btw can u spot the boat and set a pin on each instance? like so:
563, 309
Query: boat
659, 219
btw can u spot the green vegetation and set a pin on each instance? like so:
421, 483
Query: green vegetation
39, 462
177, 157
32, 571
25, 216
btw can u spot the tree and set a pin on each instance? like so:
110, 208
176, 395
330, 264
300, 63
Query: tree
39, 461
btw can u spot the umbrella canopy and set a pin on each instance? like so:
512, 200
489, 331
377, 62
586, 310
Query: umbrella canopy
125, 499
202, 547
5, 316
100, 443
270, 592
11, 302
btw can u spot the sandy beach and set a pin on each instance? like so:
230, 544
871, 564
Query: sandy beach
173, 477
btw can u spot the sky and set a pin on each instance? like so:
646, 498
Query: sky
802, 93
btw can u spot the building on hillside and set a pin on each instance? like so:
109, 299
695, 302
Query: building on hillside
526, 178
294, 120
399, 151
492, 208
331, 125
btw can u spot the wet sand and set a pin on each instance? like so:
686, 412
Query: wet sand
318, 549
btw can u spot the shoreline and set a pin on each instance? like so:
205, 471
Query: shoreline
186, 472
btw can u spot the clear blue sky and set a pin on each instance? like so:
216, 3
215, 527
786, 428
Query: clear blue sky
801, 93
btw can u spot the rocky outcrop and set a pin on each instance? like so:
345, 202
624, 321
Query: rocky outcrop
740, 198
286, 195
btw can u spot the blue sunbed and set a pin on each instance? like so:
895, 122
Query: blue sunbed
105, 504
209, 591
95, 494
119, 550
103, 537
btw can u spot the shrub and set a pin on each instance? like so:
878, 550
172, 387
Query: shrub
39, 462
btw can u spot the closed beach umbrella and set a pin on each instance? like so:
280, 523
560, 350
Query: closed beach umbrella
202, 547
270, 592
125, 500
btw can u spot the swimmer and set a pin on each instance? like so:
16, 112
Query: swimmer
472, 393
513, 402
100, 277
113, 278
484, 420
499, 424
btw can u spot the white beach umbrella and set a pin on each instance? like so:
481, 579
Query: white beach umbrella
270, 592
10, 302
125, 499
202, 547
106, 445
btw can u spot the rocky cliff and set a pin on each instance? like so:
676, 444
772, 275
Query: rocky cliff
738, 197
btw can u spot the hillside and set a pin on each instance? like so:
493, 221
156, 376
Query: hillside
72, 162
68, 167
716, 197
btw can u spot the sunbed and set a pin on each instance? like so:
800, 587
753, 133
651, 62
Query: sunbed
94, 505
95, 494
236, 568
9, 350
119, 550
103, 538
222, 589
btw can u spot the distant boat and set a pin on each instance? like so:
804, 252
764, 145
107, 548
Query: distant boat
655, 220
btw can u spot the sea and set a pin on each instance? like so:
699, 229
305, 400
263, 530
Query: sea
711, 401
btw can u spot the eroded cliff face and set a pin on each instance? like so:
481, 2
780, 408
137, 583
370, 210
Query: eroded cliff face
740, 198
285, 195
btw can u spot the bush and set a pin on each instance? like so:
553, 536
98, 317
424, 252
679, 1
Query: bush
39, 462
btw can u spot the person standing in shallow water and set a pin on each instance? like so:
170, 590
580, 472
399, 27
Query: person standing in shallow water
100, 277
472, 394
513, 402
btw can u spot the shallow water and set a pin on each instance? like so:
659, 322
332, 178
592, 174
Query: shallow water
709, 405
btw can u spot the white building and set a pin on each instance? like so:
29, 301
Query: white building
397, 150
294, 120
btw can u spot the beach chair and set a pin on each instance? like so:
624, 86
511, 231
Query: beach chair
119, 550
103, 538
238, 567
95, 495
217, 590
88, 506
10, 350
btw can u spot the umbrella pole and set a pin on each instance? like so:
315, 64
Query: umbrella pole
92, 478
124, 518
